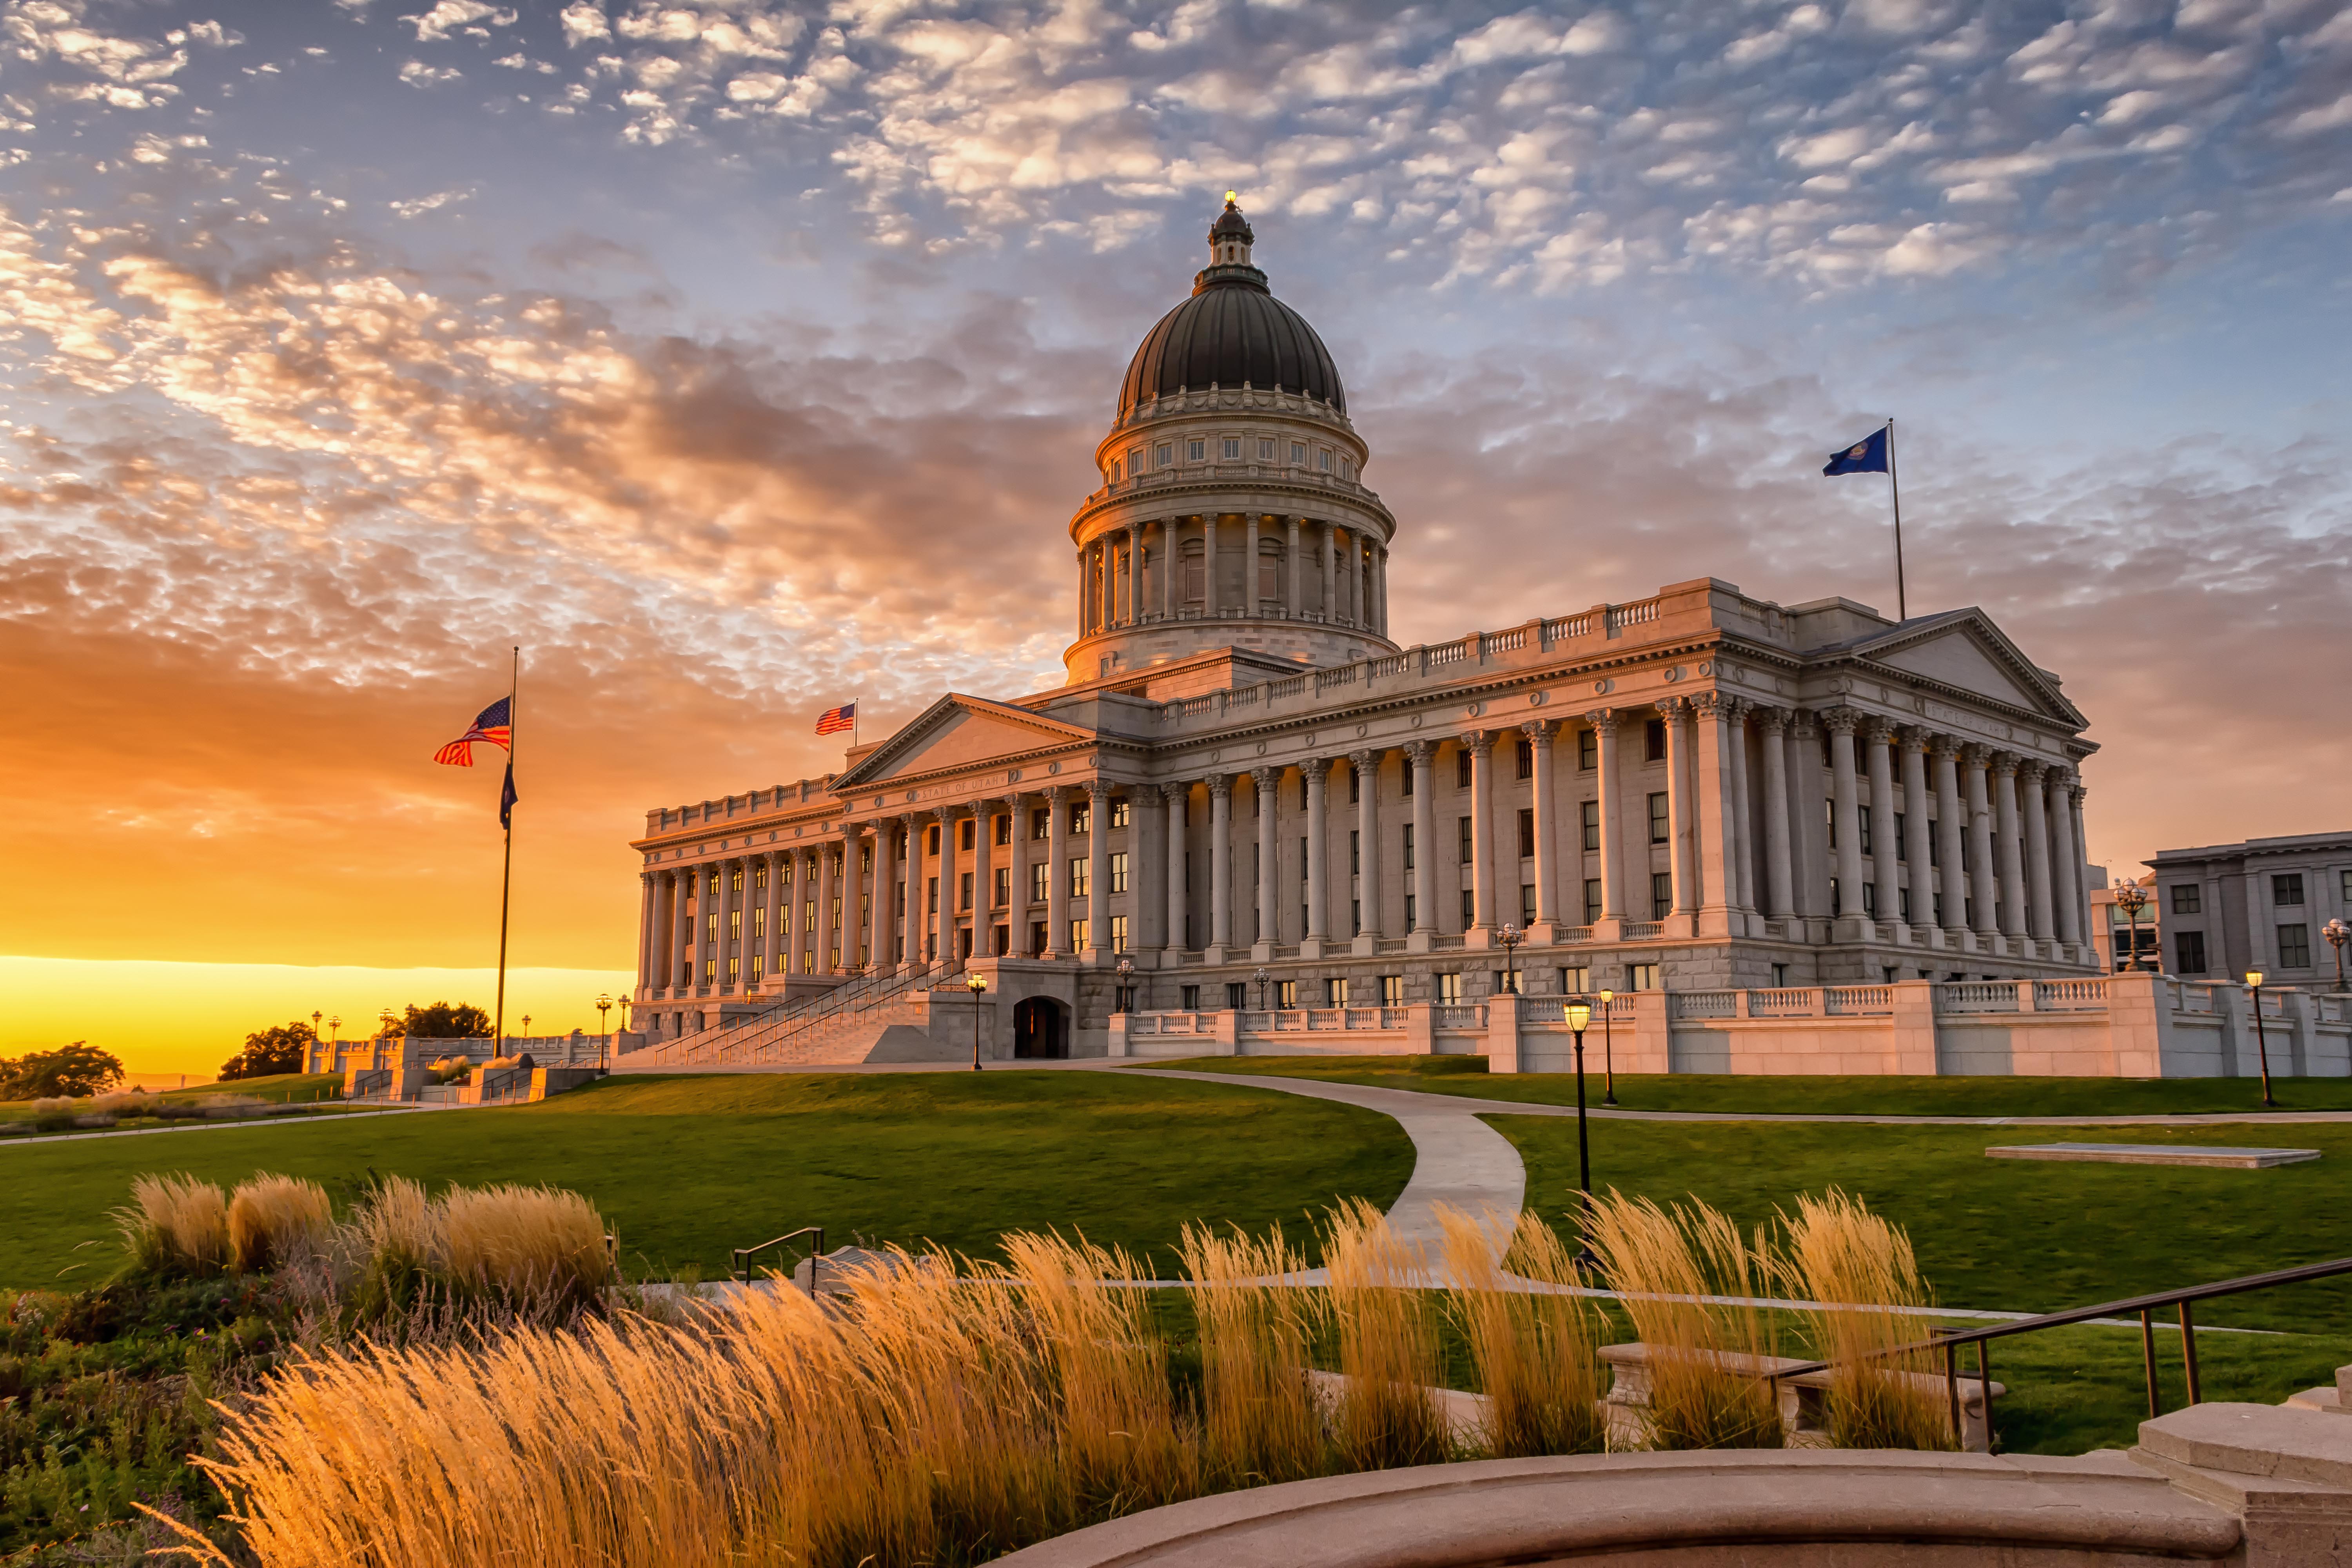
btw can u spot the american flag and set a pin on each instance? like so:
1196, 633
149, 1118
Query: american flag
833, 721
495, 724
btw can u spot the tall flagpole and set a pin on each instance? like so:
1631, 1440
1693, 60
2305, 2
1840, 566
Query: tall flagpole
505, 873
1895, 487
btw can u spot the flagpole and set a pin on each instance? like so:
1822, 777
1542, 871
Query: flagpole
1894, 488
506, 872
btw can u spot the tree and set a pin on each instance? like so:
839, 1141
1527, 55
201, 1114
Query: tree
76, 1070
269, 1052
442, 1022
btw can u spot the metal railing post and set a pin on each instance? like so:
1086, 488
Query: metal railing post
1952, 1385
2189, 1353
2147, 1358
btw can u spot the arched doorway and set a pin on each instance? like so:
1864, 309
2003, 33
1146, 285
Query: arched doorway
1037, 1028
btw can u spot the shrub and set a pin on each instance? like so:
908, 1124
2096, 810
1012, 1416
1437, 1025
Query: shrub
1533, 1349
1860, 1268
175, 1225
272, 1219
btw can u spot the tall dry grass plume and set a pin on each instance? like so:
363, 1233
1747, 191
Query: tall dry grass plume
175, 1225
1385, 1415
1533, 1350
1703, 1356
1857, 1264
1259, 1415
521, 1244
274, 1220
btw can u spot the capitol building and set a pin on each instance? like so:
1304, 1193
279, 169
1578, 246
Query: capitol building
1247, 804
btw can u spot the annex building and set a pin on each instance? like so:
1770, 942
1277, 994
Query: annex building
1249, 813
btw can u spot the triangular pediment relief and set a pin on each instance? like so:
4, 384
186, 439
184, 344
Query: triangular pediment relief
956, 734
1970, 653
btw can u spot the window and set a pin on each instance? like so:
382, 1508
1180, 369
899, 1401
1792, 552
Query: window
1164, 455
1039, 874
1355, 916
1119, 811
1412, 908
1469, 909
734, 925
1902, 905
1526, 831
1119, 933
1265, 450
1506, 980
1526, 759
1588, 818
2346, 891
734, 970
1661, 895
1119, 872
1405, 774
1462, 767
1829, 817
1576, 980
714, 884
1467, 845
1298, 453
735, 878
710, 926
2187, 900
1041, 823
1779, 977
1003, 891
1391, 990
759, 875
1870, 900
1355, 852
931, 907
2189, 947
964, 834
1079, 933
755, 969
1335, 991
1194, 452
1004, 828
1408, 846
964, 890
931, 840
1233, 448
1302, 856
1526, 904
1114, 471
709, 970
1661, 822
1323, 461
2294, 947
1135, 459
1449, 987
1591, 899
1236, 994
1190, 998
1837, 901
1286, 992
1654, 741
1902, 836
1641, 977
1081, 817
1588, 748
1862, 820
1355, 784
1077, 876
759, 921
2285, 889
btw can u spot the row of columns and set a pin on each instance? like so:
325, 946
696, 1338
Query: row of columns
1112, 593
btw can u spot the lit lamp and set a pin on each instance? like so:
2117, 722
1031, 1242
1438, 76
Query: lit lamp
2131, 899
603, 1003
2337, 933
1261, 977
1579, 1014
1608, 1050
1125, 980
976, 984
2262, 1039
1510, 936
315, 1019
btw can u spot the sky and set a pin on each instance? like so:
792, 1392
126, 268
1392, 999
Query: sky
732, 359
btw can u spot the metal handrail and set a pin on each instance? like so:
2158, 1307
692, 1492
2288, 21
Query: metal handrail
743, 1254
1948, 1341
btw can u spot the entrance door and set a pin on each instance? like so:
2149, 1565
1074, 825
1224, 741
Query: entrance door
1037, 1028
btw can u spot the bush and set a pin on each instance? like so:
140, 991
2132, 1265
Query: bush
273, 1219
175, 1225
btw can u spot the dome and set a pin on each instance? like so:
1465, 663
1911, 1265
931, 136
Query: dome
1233, 329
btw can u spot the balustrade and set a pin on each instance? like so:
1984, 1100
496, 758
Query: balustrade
1849, 1001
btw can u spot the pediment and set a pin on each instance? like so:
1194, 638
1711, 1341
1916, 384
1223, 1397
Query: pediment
958, 733
1970, 653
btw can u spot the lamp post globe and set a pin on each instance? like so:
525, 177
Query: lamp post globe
1510, 936
976, 984
2131, 899
1260, 974
2337, 933
1126, 979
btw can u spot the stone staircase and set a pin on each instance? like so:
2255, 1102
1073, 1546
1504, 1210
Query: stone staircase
829, 1027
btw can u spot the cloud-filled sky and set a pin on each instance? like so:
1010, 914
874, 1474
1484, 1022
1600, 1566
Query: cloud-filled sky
733, 358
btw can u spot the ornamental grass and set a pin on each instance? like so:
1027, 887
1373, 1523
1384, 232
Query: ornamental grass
1387, 1412
274, 1220
1861, 1272
175, 1225
1259, 1419
1533, 1349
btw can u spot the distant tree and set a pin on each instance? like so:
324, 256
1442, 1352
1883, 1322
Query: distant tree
269, 1052
76, 1070
443, 1021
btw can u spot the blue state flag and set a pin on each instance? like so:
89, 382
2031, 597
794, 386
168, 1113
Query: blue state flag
1868, 456
507, 799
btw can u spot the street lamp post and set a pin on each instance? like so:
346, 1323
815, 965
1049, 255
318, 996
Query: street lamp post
2337, 933
1511, 936
1579, 1014
977, 984
315, 1017
1125, 981
604, 1029
2262, 1038
2131, 899
1608, 1049
1261, 977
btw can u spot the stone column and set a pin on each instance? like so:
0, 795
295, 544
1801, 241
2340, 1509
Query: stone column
1951, 843
1097, 868
2040, 907
1266, 785
1170, 559
1135, 573
2081, 855
1918, 833
1715, 834
1317, 773
1251, 543
1179, 799
1679, 814
1846, 807
1547, 922
1613, 826
1290, 569
1983, 880
1208, 521
1739, 843
1367, 765
1805, 758
910, 917
1883, 835
942, 921
1331, 573
1221, 861
2007, 849
983, 857
825, 883
1780, 903
1357, 556
796, 920
661, 970
2067, 861
1420, 755
1479, 743
772, 953
646, 913
1380, 589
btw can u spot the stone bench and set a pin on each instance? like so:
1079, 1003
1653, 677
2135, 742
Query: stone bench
1801, 1397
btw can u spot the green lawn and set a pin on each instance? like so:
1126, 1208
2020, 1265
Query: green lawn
1803, 1095
687, 1168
